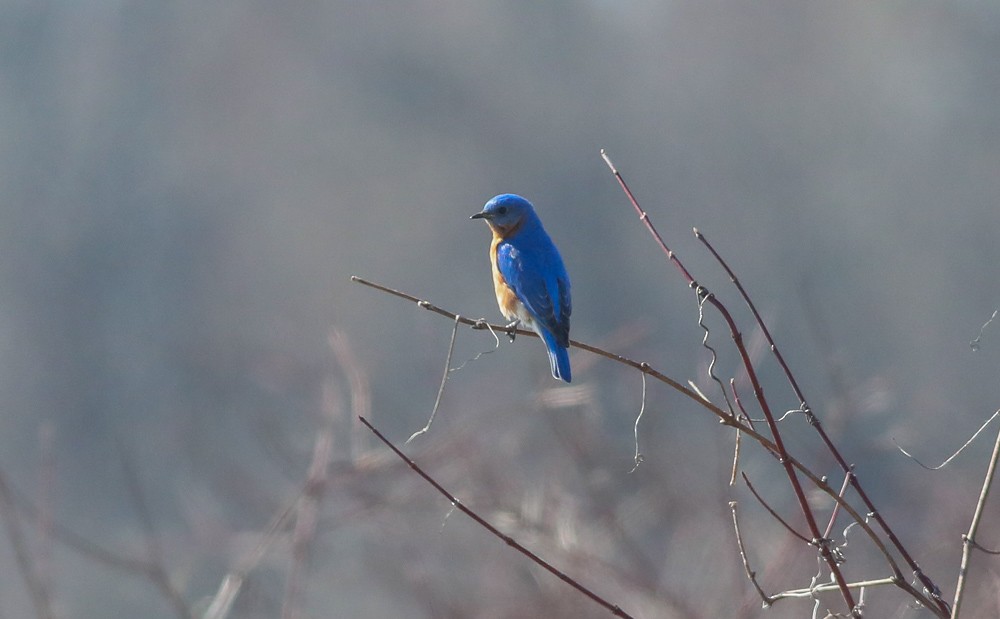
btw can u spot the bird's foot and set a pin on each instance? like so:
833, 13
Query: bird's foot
512, 330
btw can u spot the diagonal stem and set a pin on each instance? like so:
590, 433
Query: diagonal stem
615, 610
814, 421
969, 539
758, 391
726, 418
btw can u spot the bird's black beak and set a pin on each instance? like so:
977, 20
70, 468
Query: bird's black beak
483, 215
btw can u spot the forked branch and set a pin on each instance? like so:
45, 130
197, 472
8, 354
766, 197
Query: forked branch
725, 417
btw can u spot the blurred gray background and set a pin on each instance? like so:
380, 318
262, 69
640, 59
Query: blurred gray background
187, 188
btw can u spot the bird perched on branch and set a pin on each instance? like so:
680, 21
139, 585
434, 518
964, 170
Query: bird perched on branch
530, 280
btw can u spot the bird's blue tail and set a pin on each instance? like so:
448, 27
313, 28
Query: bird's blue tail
558, 357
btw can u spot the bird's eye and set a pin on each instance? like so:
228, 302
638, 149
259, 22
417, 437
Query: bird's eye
502, 210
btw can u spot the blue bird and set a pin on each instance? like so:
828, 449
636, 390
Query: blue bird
529, 278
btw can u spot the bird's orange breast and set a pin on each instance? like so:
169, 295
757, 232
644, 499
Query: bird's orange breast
510, 305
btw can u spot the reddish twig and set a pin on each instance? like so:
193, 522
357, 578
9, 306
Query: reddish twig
848, 469
771, 511
705, 296
836, 508
724, 417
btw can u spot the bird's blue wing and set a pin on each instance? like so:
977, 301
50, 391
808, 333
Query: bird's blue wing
538, 278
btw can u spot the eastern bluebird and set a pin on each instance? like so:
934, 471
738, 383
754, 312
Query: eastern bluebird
529, 277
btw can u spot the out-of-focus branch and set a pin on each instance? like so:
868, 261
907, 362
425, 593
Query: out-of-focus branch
231, 584
39, 596
307, 516
155, 564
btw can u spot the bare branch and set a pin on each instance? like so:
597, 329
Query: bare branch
751, 574
968, 540
231, 584
836, 508
939, 606
705, 296
615, 610
725, 418
307, 516
771, 511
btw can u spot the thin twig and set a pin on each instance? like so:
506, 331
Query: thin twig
739, 434
723, 416
615, 610
751, 574
771, 511
758, 391
444, 379
940, 606
954, 455
970, 537
836, 509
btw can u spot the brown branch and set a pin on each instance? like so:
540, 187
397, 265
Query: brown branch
724, 417
941, 605
751, 574
771, 511
705, 296
615, 610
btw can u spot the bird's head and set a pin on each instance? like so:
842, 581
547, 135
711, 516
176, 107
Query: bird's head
506, 213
